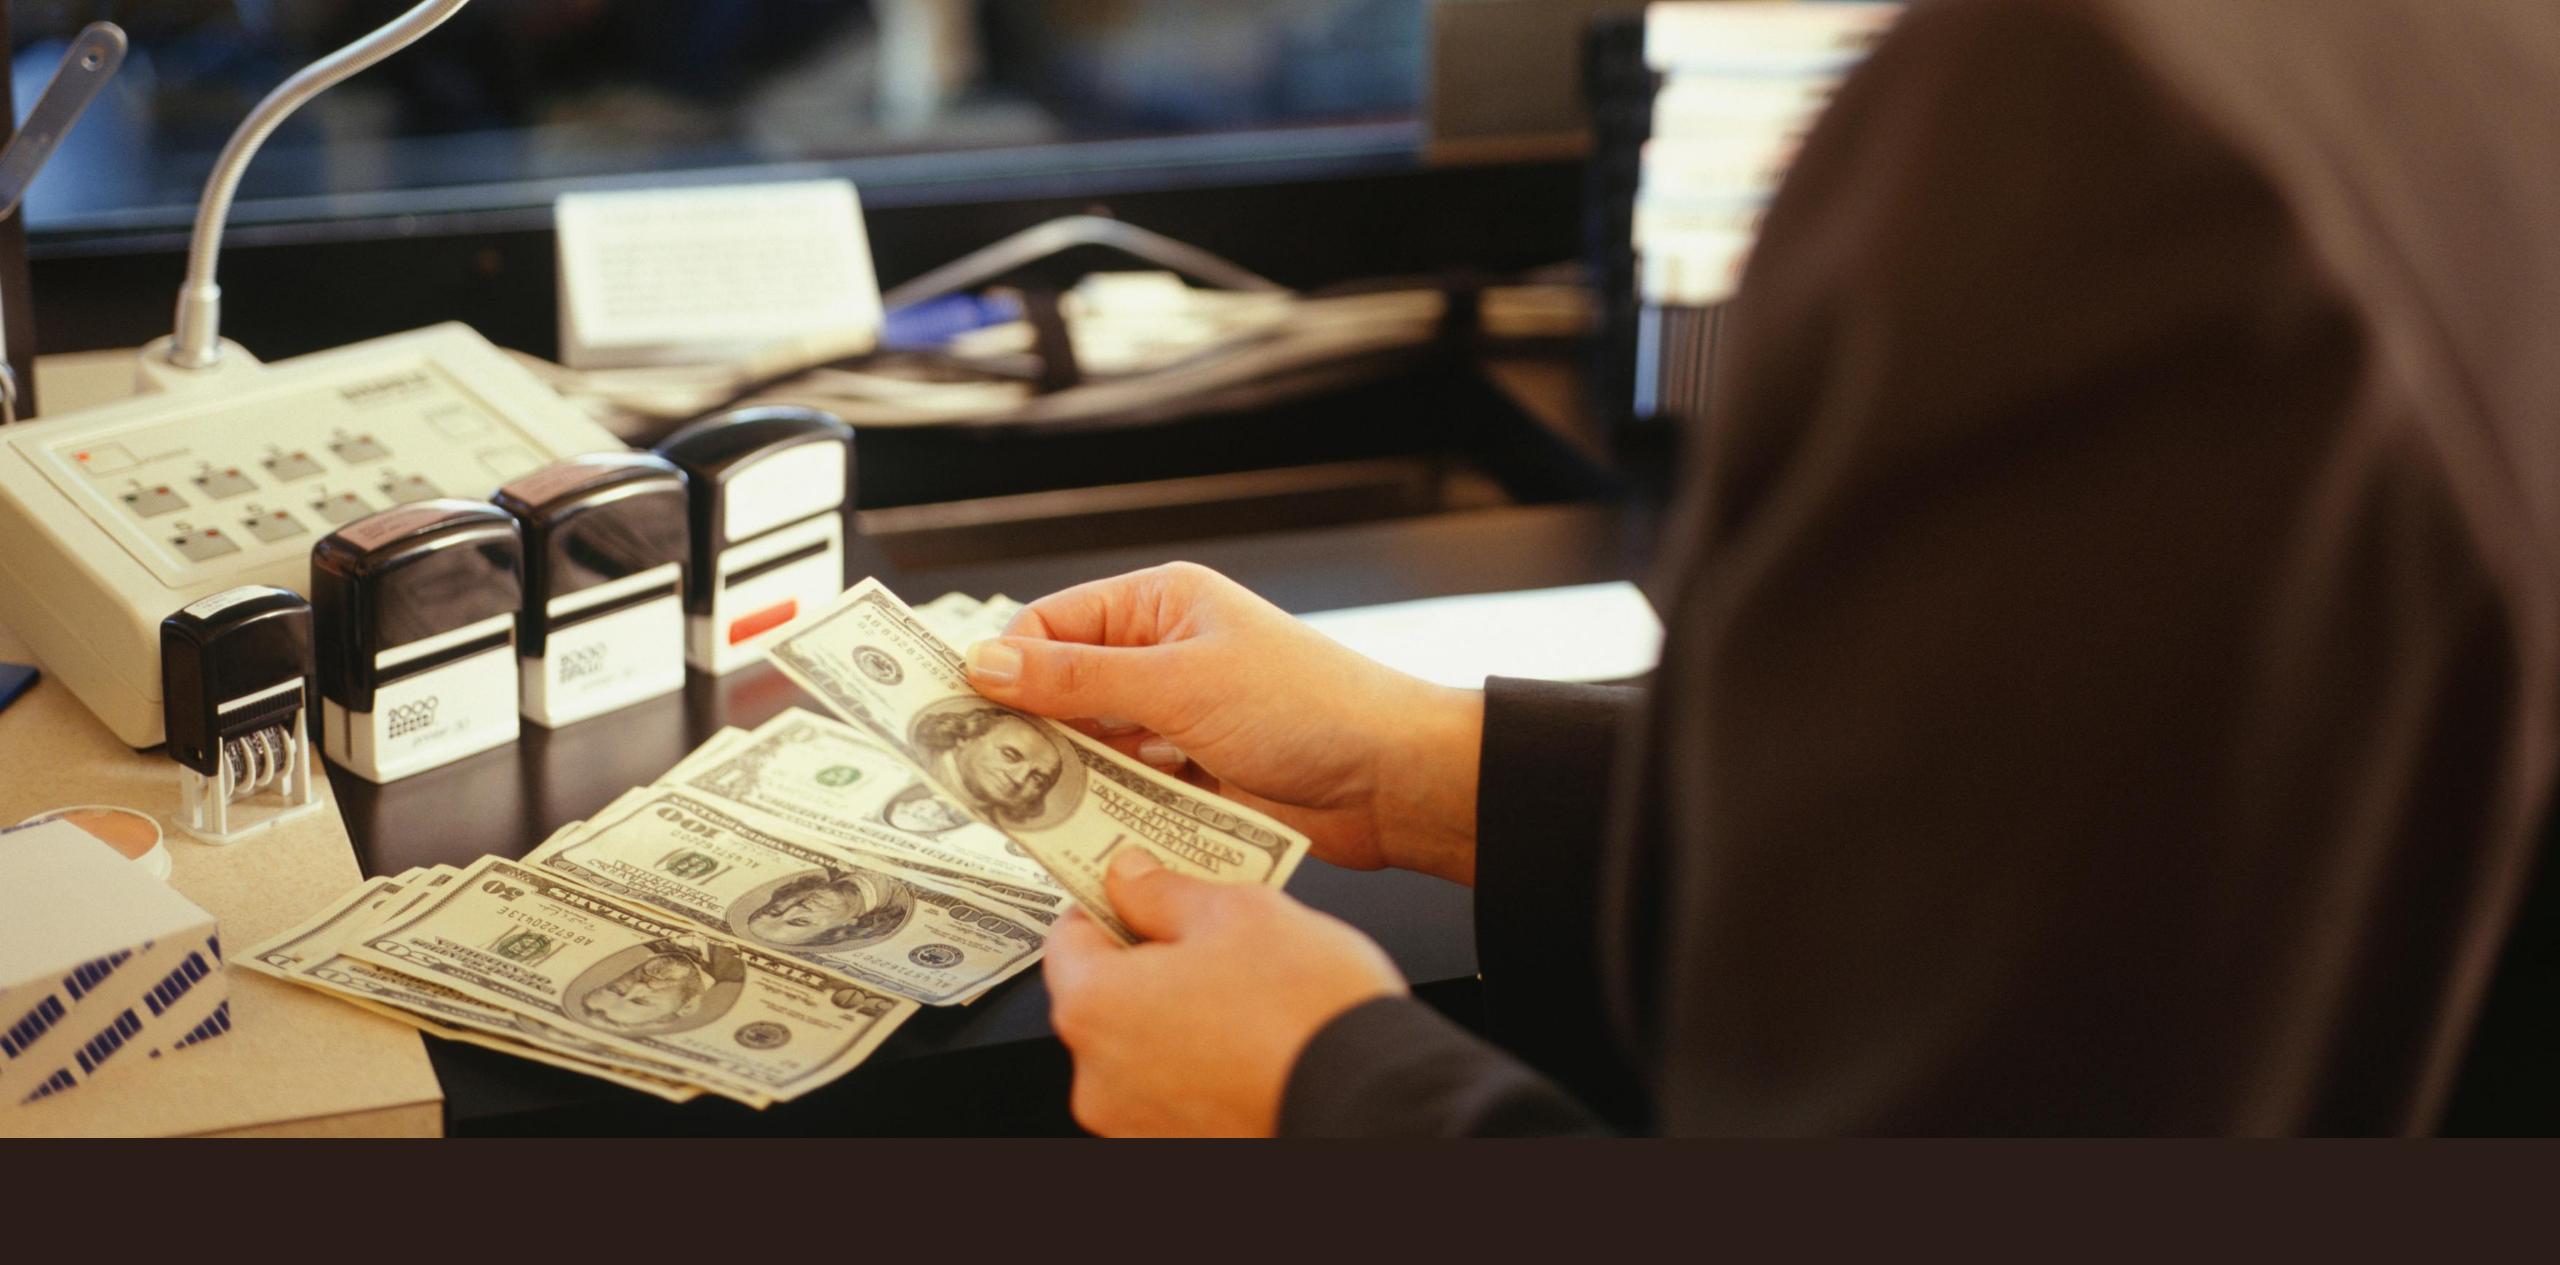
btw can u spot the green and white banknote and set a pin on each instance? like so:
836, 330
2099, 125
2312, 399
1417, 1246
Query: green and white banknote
1069, 801
863, 916
838, 784
637, 979
309, 955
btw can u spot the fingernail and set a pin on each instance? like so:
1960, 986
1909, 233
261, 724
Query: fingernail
1134, 863
994, 663
1162, 754
1113, 725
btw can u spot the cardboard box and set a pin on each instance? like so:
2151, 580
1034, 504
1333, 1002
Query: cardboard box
102, 966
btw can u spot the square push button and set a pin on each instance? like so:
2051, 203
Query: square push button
153, 502
204, 544
289, 466
361, 449
272, 526
345, 507
225, 484
409, 488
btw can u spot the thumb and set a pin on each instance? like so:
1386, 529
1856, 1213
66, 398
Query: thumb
1068, 678
1159, 903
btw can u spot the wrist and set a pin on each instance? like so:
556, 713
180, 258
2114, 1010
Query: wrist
1425, 792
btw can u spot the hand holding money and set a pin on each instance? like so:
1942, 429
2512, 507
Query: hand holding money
1376, 767
1197, 1035
1065, 799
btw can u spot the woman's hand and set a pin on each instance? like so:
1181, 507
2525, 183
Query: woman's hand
1186, 669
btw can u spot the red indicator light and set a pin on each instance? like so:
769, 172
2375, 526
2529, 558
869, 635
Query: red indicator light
746, 627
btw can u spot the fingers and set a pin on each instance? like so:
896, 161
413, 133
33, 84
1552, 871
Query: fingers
1067, 679
1140, 744
1119, 611
1158, 903
1078, 946
1141, 608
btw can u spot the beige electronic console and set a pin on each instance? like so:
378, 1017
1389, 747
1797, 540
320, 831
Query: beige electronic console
114, 517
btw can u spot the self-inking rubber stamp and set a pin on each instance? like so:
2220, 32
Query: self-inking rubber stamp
768, 491
605, 546
415, 610
237, 686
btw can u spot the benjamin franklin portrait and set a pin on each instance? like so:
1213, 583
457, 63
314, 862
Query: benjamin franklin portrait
1003, 764
665, 986
822, 911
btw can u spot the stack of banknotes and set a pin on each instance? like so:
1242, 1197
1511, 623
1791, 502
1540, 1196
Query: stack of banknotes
758, 920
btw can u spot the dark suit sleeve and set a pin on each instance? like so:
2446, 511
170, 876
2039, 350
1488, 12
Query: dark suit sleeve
1542, 813
1544, 809
1393, 1068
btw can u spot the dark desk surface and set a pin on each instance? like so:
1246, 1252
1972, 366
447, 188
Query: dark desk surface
991, 1067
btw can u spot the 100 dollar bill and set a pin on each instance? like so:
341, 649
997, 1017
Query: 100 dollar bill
1069, 801
829, 778
873, 921
310, 955
633, 978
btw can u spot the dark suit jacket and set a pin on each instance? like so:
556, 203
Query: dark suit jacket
2113, 616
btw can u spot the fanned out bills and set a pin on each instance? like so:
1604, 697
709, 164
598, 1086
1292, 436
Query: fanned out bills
310, 955
1068, 801
865, 917
725, 1014
755, 923
836, 785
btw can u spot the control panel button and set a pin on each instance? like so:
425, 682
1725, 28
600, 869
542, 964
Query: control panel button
409, 488
204, 544
153, 502
289, 466
104, 459
272, 526
361, 449
345, 507
225, 484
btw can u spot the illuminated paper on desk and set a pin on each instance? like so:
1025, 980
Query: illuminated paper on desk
707, 274
1586, 632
